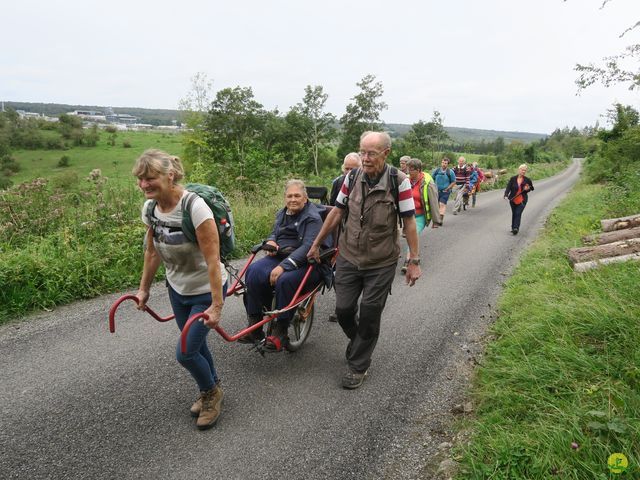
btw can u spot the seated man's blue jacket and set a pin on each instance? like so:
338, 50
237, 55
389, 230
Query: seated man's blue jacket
296, 232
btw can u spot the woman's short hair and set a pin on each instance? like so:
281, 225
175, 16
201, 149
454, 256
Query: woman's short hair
294, 182
157, 162
414, 164
524, 165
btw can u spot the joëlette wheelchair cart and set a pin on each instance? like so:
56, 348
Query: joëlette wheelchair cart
303, 302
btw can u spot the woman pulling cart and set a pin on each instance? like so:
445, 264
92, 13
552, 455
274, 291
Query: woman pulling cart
196, 279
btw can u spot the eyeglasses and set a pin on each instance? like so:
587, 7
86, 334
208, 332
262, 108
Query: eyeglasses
371, 154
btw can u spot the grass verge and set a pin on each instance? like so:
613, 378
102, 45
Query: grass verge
559, 389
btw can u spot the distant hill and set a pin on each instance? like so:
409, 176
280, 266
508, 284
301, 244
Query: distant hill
475, 135
167, 117
152, 116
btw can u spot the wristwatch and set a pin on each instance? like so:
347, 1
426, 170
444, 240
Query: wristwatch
414, 261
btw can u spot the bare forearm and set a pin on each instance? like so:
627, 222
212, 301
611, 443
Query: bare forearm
149, 270
411, 233
215, 280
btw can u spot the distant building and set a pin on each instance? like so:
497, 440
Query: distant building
89, 115
25, 114
124, 118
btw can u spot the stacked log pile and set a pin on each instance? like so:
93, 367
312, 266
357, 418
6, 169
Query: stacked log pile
619, 242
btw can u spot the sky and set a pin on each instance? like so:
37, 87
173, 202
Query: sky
488, 64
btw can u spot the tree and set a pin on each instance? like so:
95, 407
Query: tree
234, 122
314, 126
70, 127
92, 136
622, 117
113, 134
622, 68
428, 136
194, 108
361, 115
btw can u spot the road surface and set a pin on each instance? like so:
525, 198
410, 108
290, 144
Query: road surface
79, 402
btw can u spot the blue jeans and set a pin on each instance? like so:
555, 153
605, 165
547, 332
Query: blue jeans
259, 295
197, 359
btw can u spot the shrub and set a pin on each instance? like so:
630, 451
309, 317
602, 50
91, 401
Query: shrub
5, 182
64, 161
126, 143
65, 180
54, 144
9, 164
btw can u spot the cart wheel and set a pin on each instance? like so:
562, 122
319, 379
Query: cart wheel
300, 327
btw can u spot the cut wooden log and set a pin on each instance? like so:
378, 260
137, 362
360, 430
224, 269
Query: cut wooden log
611, 224
615, 249
609, 237
584, 266
488, 174
502, 171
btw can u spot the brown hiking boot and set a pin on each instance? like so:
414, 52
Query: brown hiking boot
211, 406
197, 406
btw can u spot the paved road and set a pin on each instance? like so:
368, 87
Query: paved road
78, 402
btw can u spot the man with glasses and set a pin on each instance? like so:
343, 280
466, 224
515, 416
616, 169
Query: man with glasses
371, 201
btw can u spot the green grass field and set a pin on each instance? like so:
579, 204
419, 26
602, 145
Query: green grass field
114, 161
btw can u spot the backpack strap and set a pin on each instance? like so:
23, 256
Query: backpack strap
151, 218
187, 204
351, 176
395, 191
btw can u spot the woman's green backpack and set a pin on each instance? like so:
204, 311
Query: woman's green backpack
221, 212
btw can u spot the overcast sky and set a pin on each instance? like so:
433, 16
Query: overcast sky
491, 64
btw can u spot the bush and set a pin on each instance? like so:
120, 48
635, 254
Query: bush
5, 182
54, 144
65, 181
64, 161
126, 143
9, 164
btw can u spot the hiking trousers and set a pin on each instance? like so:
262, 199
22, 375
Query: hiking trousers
457, 206
361, 325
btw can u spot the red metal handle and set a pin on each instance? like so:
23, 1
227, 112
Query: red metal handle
295, 301
219, 329
116, 304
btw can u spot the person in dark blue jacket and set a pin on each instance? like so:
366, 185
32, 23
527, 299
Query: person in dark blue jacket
282, 270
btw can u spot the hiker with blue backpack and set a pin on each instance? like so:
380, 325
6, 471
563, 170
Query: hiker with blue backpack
445, 181
184, 234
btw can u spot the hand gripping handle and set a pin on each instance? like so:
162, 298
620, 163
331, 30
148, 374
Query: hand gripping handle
116, 304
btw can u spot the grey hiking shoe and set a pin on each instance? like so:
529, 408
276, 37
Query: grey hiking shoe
211, 406
352, 380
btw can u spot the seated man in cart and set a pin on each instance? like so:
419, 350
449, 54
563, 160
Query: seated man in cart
281, 271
